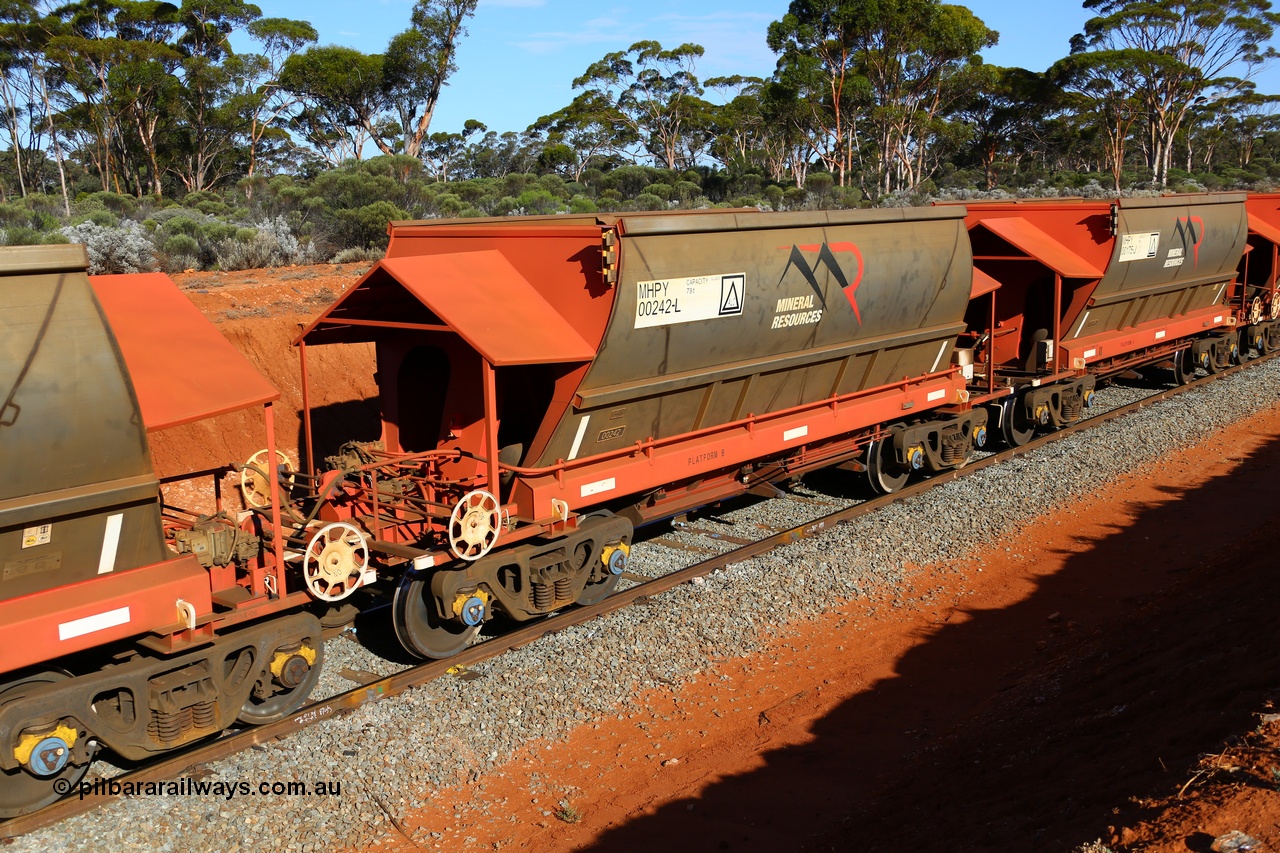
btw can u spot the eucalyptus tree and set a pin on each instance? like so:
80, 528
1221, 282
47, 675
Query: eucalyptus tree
205, 142
419, 62
19, 84
1005, 111
654, 95
1103, 90
578, 136
901, 65
258, 93
342, 101
1170, 53
738, 124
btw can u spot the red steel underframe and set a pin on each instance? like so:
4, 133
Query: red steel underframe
1081, 352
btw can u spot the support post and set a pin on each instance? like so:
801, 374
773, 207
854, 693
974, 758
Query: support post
306, 410
1057, 319
277, 530
491, 426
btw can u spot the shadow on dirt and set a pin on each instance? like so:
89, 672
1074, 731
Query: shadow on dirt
1038, 725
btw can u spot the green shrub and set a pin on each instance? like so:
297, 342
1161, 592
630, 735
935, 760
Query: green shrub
182, 244
629, 181
363, 226
649, 201
818, 183
102, 217
794, 198
182, 225
118, 203
533, 202
21, 235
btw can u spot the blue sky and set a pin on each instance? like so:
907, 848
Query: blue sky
521, 56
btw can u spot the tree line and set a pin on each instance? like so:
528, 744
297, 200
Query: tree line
872, 101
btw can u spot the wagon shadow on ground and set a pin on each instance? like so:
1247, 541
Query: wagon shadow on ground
1009, 726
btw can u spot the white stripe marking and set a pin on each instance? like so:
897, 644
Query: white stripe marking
941, 350
937, 395
90, 624
110, 542
798, 432
1219, 296
577, 439
599, 486
1084, 319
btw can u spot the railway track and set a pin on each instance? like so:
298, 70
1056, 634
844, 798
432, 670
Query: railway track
173, 765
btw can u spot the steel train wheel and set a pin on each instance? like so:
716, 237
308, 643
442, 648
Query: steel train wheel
337, 615
1184, 367
1015, 427
419, 629
22, 792
292, 693
884, 473
594, 593
1270, 340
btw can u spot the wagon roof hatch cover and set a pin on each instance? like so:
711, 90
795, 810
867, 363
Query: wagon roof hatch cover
479, 295
182, 368
1037, 243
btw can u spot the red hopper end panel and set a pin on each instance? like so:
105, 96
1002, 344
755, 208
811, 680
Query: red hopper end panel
183, 369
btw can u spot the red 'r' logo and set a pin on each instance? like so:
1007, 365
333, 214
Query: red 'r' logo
827, 257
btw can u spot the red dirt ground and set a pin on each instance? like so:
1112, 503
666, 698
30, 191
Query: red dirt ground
1061, 690
1102, 675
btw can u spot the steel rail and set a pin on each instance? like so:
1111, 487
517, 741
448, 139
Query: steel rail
174, 764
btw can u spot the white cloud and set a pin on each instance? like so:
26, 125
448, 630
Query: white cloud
734, 40
596, 31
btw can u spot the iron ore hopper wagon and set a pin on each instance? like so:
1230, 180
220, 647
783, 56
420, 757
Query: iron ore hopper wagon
125, 624
1068, 292
546, 385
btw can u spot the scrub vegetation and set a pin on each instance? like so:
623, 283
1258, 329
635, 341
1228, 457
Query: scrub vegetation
132, 126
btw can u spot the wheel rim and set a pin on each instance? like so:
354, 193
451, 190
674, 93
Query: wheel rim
419, 629
1015, 427
883, 471
594, 593
1183, 367
22, 792
286, 700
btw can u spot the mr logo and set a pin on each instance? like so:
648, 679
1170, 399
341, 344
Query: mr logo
1191, 232
827, 257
